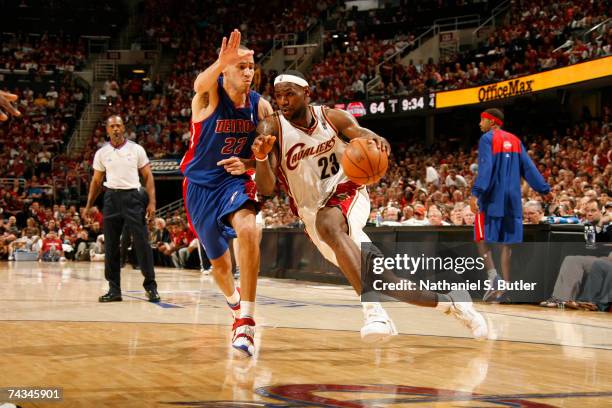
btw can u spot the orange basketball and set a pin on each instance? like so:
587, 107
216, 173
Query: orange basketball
363, 163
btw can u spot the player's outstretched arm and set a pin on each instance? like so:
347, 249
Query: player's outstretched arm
347, 125
205, 86
265, 149
6, 105
229, 54
531, 173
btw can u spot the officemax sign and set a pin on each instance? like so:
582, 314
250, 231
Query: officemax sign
505, 90
555, 78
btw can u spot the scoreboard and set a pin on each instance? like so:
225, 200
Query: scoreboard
402, 104
555, 78
390, 106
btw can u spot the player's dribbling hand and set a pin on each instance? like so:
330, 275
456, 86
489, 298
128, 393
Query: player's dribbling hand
230, 53
6, 106
381, 144
262, 146
234, 166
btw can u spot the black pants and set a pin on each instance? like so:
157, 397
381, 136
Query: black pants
127, 208
125, 253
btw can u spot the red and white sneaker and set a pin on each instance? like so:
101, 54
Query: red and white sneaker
243, 339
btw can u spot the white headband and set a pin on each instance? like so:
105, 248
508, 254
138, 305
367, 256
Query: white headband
290, 78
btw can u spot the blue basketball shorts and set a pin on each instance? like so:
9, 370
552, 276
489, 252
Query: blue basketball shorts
208, 208
505, 230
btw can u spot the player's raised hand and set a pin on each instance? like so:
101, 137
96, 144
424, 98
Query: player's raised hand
262, 146
6, 106
230, 53
234, 166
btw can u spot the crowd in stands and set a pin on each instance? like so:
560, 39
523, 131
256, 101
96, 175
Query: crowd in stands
30, 145
42, 53
63, 17
156, 115
538, 36
35, 231
192, 27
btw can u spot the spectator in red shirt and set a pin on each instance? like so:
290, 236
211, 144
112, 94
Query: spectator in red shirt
51, 249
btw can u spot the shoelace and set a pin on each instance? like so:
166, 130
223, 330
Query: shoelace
375, 312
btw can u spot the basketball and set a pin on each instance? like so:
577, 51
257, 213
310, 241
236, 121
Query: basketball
363, 162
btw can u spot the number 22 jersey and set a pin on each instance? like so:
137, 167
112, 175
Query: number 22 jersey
228, 132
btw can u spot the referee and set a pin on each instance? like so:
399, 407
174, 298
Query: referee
125, 203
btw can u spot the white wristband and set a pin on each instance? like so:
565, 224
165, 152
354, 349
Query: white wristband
262, 160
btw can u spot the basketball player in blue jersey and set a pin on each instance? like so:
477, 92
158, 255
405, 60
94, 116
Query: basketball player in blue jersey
220, 198
496, 195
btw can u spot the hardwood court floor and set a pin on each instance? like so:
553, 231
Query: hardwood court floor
53, 332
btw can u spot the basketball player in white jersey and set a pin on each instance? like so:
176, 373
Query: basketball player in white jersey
303, 144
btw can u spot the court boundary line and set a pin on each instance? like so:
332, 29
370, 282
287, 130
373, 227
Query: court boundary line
318, 329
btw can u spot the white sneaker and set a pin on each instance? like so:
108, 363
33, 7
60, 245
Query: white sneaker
462, 309
11, 258
378, 326
206, 272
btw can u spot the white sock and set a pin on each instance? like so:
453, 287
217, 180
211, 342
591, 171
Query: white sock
234, 299
444, 302
247, 309
492, 273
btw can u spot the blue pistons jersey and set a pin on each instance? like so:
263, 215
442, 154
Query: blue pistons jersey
228, 132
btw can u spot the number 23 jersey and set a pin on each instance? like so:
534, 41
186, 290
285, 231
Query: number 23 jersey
309, 168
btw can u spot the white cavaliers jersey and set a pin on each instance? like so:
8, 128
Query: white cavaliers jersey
310, 164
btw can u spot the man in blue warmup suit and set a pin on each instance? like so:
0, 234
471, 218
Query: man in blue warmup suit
496, 194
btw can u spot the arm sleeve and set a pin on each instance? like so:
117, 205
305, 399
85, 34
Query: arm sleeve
485, 166
530, 172
97, 162
143, 160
